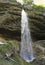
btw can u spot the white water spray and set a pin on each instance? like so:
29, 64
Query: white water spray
26, 42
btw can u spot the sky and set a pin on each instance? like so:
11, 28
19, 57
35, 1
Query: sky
40, 2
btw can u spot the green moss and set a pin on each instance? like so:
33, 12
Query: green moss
16, 56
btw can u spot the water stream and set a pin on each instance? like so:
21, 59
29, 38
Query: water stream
26, 51
26, 41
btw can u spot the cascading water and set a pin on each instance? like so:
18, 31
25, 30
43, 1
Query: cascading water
26, 42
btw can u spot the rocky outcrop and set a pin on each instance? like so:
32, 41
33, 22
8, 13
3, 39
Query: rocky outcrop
37, 25
10, 20
39, 47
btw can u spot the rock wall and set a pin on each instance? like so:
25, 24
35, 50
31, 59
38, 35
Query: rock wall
10, 20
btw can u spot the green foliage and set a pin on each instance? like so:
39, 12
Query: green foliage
28, 1
38, 8
16, 57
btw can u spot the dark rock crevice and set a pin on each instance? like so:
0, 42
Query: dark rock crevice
10, 34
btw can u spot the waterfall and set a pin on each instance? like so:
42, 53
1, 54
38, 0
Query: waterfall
26, 41
26, 51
